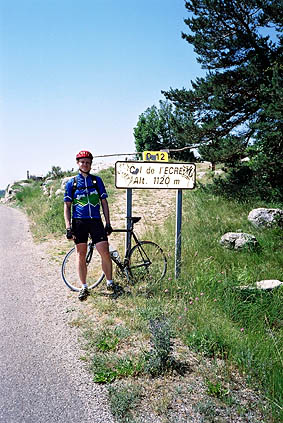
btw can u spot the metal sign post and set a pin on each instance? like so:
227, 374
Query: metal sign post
129, 215
178, 236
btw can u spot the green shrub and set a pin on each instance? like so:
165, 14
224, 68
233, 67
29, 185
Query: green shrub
123, 399
159, 359
106, 368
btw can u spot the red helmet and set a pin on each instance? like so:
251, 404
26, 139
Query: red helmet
84, 154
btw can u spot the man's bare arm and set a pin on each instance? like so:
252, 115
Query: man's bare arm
106, 212
67, 214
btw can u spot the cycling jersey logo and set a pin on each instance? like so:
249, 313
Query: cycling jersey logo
83, 199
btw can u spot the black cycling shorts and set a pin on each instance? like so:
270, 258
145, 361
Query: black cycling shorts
82, 228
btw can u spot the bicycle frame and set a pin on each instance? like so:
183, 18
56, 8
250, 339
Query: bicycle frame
133, 235
124, 263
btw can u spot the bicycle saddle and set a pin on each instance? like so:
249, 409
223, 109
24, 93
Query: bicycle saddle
134, 219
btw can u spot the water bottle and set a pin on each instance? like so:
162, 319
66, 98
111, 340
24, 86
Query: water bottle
114, 253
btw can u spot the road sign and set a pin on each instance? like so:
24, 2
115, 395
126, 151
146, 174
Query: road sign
153, 175
157, 156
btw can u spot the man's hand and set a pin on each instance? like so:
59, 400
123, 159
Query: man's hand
108, 229
69, 234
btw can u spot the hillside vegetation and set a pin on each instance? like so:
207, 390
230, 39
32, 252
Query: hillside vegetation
201, 316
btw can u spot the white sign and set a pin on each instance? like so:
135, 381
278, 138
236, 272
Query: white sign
148, 175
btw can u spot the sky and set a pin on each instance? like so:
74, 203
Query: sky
76, 74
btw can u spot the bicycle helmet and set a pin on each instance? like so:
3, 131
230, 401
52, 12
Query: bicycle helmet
84, 154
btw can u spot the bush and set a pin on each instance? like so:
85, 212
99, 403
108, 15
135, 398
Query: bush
243, 184
159, 359
122, 400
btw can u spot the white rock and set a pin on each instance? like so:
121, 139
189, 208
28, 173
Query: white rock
263, 217
59, 192
268, 284
64, 181
236, 240
48, 182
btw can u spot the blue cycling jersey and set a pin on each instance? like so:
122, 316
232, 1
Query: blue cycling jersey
85, 198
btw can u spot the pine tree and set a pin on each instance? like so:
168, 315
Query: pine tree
239, 101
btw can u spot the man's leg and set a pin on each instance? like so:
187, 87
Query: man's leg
106, 262
81, 250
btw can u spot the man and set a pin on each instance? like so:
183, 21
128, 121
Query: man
82, 199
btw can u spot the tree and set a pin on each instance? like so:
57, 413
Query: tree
56, 172
163, 128
239, 101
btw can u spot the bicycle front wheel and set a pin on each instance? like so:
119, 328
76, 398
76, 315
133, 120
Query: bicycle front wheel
69, 270
147, 263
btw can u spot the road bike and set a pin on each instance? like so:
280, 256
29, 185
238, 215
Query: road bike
145, 262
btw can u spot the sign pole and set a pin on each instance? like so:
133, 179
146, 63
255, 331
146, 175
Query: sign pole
129, 215
178, 239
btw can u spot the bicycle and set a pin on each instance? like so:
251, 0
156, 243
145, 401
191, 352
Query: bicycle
144, 262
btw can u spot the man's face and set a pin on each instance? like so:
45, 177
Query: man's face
84, 165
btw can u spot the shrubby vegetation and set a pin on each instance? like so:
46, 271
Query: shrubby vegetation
46, 212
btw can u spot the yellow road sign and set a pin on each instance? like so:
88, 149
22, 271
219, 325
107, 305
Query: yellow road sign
156, 156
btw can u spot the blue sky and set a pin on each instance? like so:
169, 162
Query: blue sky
76, 74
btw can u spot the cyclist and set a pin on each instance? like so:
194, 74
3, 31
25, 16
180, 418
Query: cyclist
83, 195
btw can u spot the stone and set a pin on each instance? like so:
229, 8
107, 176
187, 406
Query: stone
263, 217
45, 190
267, 285
238, 240
48, 181
59, 192
64, 181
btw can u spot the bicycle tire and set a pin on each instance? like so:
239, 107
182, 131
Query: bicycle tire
142, 270
69, 271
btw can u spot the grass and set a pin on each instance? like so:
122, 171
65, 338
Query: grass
205, 310
46, 213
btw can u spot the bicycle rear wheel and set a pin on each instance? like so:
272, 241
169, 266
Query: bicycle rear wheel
147, 263
69, 270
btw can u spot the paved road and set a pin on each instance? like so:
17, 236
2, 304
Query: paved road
41, 377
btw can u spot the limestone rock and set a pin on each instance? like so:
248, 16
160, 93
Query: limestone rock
64, 181
10, 194
48, 181
263, 217
59, 192
267, 285
238, 240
